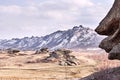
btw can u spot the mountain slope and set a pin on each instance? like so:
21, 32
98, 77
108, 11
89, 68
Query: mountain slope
77, 37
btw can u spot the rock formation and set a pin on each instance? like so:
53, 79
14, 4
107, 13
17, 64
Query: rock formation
108, 74
12, 51
42, 51
62, 57
110, 26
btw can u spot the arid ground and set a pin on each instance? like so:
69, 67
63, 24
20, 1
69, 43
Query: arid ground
15, 67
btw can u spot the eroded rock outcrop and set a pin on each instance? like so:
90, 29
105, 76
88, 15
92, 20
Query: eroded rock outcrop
62, 57
12, 51
110, 26
42, 51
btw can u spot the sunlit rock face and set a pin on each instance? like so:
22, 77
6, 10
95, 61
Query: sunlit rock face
110, 26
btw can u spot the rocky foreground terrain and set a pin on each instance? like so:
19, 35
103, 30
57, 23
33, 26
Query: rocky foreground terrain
110, 27
29, 65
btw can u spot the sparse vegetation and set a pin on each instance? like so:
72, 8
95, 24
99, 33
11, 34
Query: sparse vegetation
12, 51
30, 67
22, 66
105, 69
103, 62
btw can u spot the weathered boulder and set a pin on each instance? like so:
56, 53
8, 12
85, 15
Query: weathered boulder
110, 26
70, 61
107, 44
115, 52
110, 23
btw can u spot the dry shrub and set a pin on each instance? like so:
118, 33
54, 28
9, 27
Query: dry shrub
103, 62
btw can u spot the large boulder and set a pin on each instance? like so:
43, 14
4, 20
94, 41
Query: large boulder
110, 26
115, 52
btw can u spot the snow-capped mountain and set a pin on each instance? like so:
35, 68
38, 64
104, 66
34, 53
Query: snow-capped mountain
77, 37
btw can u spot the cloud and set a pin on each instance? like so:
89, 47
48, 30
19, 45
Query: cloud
19, 10
40, 17
10, 9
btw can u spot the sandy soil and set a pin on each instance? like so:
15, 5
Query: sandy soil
14, 67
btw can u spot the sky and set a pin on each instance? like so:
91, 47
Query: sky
21, 18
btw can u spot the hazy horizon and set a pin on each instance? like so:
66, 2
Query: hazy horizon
45, 34
25, 18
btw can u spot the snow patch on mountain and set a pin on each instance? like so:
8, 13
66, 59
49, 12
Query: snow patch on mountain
77, 37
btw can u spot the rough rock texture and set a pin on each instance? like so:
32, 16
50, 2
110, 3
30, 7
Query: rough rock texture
110, 26
62, 57
109, 74
114, 53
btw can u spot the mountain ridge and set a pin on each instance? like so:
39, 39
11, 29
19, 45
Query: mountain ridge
77, 37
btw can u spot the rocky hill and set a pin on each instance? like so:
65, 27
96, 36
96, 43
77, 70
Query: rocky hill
77, 37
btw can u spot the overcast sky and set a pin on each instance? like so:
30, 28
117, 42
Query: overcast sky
20, 18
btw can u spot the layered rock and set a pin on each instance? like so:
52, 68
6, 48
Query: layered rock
110, 26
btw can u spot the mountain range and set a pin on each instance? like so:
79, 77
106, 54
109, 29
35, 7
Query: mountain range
77, 37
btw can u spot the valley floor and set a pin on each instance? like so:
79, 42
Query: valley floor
15, 67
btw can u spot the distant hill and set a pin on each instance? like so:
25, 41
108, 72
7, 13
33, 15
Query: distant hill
77, 37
